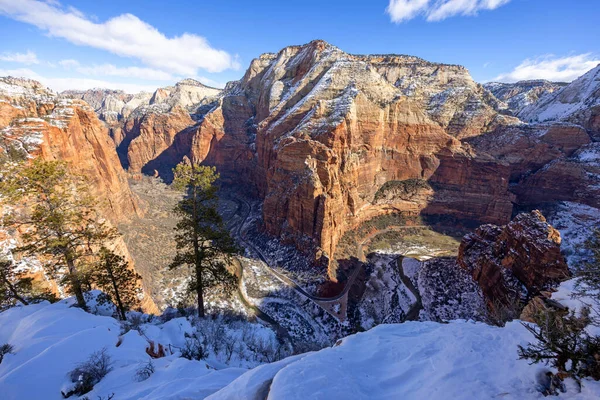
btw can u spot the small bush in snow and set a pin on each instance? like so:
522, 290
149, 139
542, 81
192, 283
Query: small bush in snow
563, 342
193, 350
109, 397
144, 371
213, 333
88, 373
266, 350
4, 350
134, 322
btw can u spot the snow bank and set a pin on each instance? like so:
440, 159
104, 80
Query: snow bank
414, 360
50, 339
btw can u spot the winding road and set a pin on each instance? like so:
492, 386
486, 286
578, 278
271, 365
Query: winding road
327, 303
413, 312
415, 309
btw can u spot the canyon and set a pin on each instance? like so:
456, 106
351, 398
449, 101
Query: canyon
323, 142
327, 140
363, 190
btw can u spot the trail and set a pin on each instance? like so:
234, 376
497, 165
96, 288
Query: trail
323, 302
413, 313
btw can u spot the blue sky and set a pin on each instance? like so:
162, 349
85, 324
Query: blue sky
143, 44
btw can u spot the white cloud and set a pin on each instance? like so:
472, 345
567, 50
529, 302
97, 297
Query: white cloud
125, 35
126, 72
68, 64
437, 10
112, 70
60, 84
563, 69
403, 10
22, 58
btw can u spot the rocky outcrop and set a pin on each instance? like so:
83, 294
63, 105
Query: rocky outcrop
515, 261
522, 94
36, 122
575, 179
319, 132
549, 162
528, 147
147, 136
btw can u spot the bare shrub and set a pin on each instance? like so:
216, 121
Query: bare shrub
144, 371
230, 346
5, 349
88, 373
193, 349
266, 350
134, 322
498, 313
213, 333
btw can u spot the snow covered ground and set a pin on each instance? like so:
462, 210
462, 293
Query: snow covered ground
576, 223
51, 339
413, 360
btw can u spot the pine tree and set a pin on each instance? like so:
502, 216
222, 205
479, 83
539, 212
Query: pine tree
202, 240
61, 223
13, 288
113, 276
16, 288
563, 341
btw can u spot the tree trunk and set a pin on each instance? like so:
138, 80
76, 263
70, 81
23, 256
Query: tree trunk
197, 257
116, 289
75, 283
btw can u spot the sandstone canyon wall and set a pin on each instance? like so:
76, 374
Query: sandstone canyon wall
35, 122
319, 132
327, 140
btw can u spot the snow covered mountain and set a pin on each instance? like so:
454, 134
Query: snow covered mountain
522, 94
578, 102
114, 105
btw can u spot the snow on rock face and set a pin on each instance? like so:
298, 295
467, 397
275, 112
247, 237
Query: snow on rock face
386, 299
522, 94
448, 292
577, 102
413, 360
113, 106
576, 223
516, 260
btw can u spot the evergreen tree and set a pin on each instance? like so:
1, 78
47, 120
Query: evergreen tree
202, 240
563, 341
114, 277
13, 288
16, 288
61, 224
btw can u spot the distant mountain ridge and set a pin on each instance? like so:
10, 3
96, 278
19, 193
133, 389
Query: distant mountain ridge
578, 102
113, 106
521, 94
